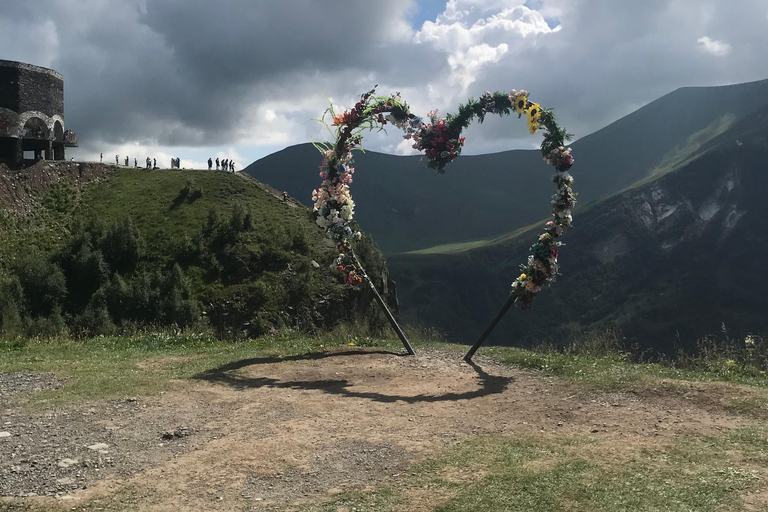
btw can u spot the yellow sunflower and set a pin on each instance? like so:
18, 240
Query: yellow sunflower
533, 126
534, 111
521, 104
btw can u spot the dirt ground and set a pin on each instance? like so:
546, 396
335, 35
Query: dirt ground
267, 434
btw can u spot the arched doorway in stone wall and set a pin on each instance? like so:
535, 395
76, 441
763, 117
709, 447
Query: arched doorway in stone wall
35, 137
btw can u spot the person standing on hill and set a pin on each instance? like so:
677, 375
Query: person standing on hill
217, 163
154, 163
126, 161
117, 159
135, 163
101, 157
210, 164
232, 166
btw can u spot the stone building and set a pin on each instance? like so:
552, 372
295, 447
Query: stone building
32, 114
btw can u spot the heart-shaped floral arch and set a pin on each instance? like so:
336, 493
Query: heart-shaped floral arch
440, 140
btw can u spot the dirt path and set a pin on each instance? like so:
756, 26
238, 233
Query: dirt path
266, 434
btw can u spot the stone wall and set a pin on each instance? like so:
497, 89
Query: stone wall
41, 92
25, 87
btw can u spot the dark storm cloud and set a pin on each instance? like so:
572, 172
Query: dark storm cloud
245, 41
183, 72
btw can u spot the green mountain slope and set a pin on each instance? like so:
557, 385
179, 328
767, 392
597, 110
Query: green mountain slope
667, 261
92, 248
406, 207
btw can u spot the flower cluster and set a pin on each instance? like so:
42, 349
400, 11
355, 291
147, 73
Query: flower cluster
436, 141
519, 100
523, 107
333, 205
348, 268
542, 265
333, 201
560, 158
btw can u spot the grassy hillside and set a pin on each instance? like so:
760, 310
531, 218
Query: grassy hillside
667, 261
406, 207
138, 247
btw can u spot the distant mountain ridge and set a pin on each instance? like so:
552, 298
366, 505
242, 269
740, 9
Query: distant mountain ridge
406, 207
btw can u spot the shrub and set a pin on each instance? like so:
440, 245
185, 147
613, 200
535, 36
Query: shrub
48, 326
11, 303
85, 271
122, 247
176, 305
44, 287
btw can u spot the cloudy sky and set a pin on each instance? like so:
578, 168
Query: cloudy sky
244, 78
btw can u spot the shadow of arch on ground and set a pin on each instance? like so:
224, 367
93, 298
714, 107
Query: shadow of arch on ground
225, 375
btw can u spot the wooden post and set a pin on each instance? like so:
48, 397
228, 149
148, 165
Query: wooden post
382, 304
499, 316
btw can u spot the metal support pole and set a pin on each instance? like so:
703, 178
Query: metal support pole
499, 316
392, 321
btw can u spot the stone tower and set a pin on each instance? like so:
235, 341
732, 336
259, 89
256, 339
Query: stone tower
32, 114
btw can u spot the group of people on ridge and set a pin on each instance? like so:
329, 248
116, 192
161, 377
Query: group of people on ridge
151, 162
225, 165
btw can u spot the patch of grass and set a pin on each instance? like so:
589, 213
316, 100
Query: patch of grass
151, 199
534, 473
117, 366
109, 367
461, 247
615, 371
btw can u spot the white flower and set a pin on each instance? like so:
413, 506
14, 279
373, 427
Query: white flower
347, 210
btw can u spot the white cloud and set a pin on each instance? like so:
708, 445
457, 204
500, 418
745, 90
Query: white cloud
473, 40
466, 65
714, 47
403, 148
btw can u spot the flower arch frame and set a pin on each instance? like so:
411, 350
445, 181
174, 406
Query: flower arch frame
441, 142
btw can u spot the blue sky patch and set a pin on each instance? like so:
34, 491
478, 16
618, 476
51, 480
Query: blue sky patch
427, 10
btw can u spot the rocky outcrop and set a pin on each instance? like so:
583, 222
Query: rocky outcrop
674, 213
